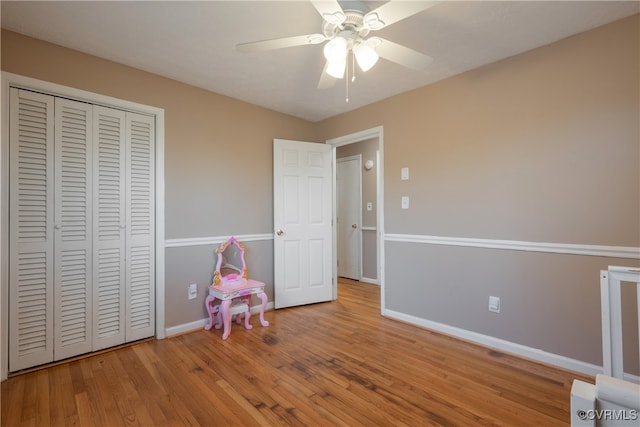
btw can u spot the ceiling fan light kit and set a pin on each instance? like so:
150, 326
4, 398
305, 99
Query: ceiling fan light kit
336, 68
346, 32
366, 54
336, 50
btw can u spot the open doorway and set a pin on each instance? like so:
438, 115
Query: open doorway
368, 146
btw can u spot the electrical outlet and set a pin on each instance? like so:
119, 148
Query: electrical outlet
494, 304
192, 291
369, 206
405, 202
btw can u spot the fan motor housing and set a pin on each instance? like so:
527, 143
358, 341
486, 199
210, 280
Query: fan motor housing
352, 28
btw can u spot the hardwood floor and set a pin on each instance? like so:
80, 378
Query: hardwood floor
337, 363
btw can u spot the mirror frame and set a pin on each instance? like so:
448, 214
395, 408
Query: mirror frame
217, 276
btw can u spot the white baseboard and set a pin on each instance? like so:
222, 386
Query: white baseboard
200, 324
186, 327
499, 344
369, 280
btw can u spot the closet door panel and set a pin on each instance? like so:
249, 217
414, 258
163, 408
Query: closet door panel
140, 312
109, 227
73, 228
81, 228
31, 136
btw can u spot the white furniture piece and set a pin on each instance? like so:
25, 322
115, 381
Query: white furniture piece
608, 402
611, 401
611, 308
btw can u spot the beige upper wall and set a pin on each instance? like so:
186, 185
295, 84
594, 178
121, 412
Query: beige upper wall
543, 146
218, 169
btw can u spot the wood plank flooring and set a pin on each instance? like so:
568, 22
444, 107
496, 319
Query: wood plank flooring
337, 363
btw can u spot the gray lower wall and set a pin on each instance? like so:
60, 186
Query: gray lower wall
548, 300
370, 254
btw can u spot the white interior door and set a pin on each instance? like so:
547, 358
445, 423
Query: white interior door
140, 234
73, 229
31, 134
109, 227
349, 201
302, 200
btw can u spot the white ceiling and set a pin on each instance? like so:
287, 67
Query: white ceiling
194, 42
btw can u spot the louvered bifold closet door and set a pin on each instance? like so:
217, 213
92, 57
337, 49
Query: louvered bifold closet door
73, 228
30, 229
109, 228
140, 312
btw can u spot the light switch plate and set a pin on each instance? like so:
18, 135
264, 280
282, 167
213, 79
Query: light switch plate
369, 206
404, 174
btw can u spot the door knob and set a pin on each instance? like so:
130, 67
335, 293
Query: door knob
279, 232
354, 226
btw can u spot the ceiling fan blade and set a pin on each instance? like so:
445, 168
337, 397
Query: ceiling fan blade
395, 11
401, 54
330, 11
326, 81
281, 43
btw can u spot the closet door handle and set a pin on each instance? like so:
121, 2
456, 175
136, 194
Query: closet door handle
57, 227
354, 226
279, 232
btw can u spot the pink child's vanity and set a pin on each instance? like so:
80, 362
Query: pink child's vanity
231, 290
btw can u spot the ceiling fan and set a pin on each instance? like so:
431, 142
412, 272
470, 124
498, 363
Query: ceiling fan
347, 31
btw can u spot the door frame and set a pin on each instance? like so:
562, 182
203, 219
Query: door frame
357, 158
372, 133
28, 83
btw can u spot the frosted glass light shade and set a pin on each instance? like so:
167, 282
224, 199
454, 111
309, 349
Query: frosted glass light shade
366, 56
336, 68
336, 50
336, 53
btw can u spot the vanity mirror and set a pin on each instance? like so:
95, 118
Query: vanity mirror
230, 265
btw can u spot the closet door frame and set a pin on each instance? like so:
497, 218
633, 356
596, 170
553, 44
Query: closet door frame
28, 83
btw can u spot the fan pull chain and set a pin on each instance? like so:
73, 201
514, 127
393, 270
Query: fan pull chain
353, 68
346, 82
347, 89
